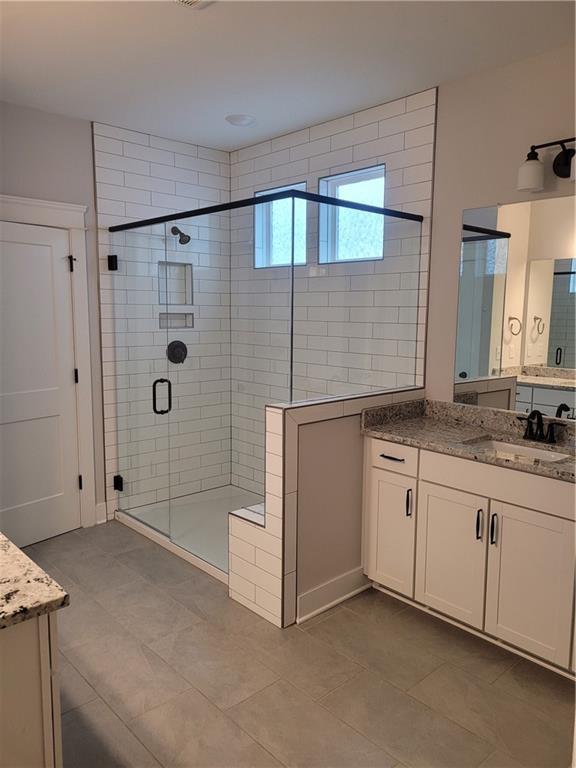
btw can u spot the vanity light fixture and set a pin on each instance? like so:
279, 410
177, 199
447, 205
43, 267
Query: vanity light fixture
531, 172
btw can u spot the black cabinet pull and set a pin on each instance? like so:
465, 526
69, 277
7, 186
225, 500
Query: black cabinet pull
558, 355
493, 529
155, 408
479, 517
409, 502
390, 458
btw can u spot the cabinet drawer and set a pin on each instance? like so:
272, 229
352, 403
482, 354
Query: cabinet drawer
394, 457
546, 396
524, 393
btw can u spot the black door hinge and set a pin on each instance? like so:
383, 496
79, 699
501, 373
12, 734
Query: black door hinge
112, 262
76, 377
71, 261
118, 483
80, 482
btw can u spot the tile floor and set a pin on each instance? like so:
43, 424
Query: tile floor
160, 668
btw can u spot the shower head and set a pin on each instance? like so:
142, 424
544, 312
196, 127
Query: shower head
183, 238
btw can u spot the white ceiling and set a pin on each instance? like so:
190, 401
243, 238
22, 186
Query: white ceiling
175, 71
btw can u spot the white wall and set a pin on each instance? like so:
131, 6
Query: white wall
485, 126
49, 157
140, 176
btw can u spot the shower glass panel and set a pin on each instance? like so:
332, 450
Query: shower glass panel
483, 263
212, 316
136, 383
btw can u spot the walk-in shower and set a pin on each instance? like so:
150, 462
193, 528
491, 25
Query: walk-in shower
214, 313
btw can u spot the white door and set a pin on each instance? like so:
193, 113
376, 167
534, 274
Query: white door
451, 552
39, 488
530, 588
390, 530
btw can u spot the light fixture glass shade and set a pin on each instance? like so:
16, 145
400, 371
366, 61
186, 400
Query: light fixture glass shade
531, 175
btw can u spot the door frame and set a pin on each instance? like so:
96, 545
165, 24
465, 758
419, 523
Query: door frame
69, 217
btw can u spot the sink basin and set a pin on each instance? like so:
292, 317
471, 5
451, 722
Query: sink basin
514, 451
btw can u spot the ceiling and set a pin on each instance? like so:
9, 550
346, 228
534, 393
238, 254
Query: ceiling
177, 71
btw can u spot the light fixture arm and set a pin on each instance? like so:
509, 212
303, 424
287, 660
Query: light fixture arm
559, 143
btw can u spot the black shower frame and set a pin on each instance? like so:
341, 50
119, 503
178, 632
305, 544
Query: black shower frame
263, 200
483, 233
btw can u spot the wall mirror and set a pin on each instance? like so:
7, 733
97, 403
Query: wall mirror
516, 334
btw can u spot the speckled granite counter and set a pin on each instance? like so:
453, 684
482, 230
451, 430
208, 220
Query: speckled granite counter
455, 429
26, 591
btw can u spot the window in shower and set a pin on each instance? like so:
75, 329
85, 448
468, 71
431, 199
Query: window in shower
346, 234
273, 230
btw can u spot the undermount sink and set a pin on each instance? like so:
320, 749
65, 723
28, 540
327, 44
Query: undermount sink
515, 451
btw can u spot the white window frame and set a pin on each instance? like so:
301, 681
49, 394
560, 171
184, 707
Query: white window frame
263, 228
328, 223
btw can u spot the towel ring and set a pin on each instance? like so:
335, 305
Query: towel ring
511, 321
539, 325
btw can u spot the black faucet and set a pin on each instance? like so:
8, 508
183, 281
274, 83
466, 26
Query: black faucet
562, 408
529, 433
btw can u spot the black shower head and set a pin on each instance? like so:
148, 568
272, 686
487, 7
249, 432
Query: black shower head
183, 238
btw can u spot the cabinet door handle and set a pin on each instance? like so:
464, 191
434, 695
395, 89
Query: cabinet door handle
409, 502
390, 458
493, 528
479, 521
161, 411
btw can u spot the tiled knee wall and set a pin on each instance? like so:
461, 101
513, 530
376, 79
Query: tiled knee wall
263, 559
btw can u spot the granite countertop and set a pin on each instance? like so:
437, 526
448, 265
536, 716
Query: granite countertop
455, 429
26, 591
549, 382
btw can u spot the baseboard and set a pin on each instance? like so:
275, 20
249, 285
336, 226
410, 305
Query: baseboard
101, 515
331, 593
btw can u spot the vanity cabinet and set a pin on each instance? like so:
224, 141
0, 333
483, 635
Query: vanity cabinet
530, 581
451, 563
495, 553
391, 530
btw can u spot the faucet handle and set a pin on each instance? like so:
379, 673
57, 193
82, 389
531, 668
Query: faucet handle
529, 431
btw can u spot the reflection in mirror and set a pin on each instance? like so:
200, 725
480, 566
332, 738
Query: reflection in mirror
516, 340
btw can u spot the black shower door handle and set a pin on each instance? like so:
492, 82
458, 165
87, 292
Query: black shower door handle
155, 408
558, 355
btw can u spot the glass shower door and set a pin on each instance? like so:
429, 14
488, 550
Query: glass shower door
134, 348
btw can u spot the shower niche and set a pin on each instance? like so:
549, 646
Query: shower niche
204, 338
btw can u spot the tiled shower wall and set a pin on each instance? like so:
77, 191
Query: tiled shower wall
140, 176
358, 327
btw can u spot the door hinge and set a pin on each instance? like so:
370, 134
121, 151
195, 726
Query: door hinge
112, 262
80, 482
71, 261
76, 377
118, 483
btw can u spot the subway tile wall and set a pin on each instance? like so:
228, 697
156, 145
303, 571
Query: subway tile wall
358, 327
140, 176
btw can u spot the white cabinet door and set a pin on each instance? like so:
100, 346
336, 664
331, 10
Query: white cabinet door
390, 530
451, 552
530, 587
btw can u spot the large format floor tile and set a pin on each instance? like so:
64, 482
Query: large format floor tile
189, 731
403, 726
209, 599
74, 690
505, 721
157, 565
146, 611
215, 663
83, 621
114, 538
300, 732
128, 676
94, 571
460, 648
94, 737
309, 664
365, 642
549, 692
